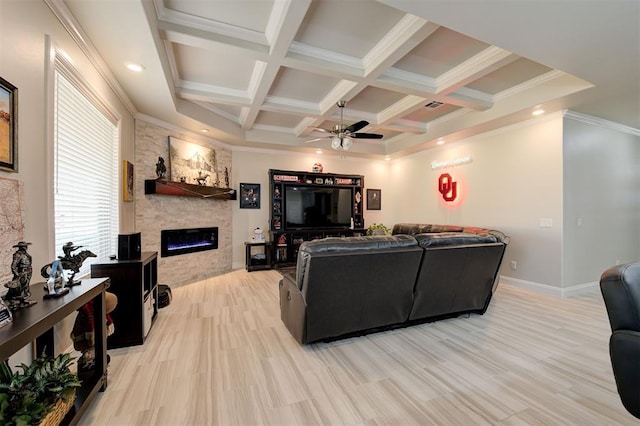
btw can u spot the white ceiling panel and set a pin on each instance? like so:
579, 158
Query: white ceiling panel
219, 69
301, 85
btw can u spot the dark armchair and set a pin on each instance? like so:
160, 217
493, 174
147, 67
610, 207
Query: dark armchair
620, 286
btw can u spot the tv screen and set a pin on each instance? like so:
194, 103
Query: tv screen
317, 207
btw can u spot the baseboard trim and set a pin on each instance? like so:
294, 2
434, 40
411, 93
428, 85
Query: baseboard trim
572, 291
237, 265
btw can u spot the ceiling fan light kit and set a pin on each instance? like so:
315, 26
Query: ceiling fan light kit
341, 135
341, 142
336, 143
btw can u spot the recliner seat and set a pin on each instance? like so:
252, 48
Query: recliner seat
620, 287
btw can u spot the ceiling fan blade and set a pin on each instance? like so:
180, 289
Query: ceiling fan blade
356, 126
317, 139
366, 136
320, 129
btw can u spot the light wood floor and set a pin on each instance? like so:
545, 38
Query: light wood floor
219, 355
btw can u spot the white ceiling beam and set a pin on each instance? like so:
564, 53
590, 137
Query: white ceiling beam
284, 21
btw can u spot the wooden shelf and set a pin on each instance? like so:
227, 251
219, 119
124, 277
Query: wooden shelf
38, 322
179, 189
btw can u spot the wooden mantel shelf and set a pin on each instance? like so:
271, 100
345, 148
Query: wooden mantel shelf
179, 189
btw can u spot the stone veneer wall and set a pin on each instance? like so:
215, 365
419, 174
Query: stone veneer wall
157, 212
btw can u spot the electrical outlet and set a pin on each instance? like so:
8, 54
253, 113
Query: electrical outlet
514, 265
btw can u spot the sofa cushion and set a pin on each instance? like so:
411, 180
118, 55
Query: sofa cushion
410, 228
446, 228
436, 239
420, 228
375, 242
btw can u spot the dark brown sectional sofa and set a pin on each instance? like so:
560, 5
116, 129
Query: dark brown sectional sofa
355, 285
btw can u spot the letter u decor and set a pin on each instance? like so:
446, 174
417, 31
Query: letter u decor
447, 187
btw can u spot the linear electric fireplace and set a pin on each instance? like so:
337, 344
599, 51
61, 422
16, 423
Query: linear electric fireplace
181, 241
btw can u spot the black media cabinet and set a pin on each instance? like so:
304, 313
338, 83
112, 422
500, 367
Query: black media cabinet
286, 241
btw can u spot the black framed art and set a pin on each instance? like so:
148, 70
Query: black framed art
373, 199
249, 195
8, 126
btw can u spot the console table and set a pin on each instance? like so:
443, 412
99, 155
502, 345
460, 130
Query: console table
37, 323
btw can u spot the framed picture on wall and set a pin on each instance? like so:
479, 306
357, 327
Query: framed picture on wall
249, 195
373, 199
192, 163
127, 181
8, 126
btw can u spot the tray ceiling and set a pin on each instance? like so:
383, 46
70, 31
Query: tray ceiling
263, 72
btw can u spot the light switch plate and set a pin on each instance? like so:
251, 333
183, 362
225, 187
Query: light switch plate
546, 222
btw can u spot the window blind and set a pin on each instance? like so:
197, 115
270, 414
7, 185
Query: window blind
85, 173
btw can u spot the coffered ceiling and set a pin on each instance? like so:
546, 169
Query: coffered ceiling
265, 73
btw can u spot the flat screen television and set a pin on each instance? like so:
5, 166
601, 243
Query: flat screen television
317, 207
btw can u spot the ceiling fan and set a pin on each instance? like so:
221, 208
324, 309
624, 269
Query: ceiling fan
342, 135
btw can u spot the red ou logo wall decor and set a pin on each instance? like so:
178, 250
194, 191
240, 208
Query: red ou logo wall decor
447, 187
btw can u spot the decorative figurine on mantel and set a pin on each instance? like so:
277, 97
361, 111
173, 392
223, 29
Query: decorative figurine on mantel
69, 261
18, 295
226, 177
201, 179
161, 168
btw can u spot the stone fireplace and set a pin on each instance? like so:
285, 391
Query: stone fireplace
155, 213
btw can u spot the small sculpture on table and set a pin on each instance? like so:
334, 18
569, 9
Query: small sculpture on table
18, 295
70, 262
57, 281
161, 168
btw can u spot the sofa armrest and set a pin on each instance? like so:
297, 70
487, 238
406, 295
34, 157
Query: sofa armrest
624, 349
293, 308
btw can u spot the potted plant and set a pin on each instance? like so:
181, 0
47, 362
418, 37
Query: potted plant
378, 229
42, 391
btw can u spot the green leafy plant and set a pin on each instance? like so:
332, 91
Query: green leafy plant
378, 229
27, 396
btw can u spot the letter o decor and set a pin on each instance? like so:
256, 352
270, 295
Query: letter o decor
447, 187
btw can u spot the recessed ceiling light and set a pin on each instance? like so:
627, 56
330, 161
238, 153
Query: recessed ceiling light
319, 151
538, 111
440, 141
135, 67
204, 130
387, 158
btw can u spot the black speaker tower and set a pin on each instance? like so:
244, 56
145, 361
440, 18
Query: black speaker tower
129, 246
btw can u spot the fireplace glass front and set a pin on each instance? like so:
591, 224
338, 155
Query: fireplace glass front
181, 241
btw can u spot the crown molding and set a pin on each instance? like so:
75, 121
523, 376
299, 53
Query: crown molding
182, 131
601, 122
70, 24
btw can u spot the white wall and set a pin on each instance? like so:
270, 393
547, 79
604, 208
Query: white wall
252, 166
602, 200
514, 180
24, 26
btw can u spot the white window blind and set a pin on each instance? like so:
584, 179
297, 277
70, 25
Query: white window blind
85, 173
